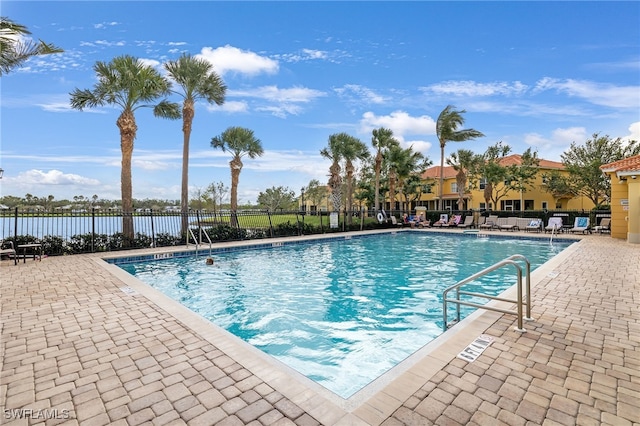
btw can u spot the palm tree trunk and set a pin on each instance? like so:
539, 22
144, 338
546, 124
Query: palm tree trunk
349, 170
236, 167
128, 128
440, 206
378, 168
188, 112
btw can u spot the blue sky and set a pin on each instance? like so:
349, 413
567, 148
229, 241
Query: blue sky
529, 74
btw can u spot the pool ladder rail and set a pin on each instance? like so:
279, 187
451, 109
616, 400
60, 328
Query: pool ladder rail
523, 297
197, 242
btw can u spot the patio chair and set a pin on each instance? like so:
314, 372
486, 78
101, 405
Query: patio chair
468, 222
555, 223
534, 225
605, 226
10, 251
509, 224
581, 224
490, 223
395, 221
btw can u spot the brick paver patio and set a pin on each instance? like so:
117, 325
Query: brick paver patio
76, 349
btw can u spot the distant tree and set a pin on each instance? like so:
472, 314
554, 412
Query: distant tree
316, 193
217, 192
409, 166
353, 149
558, 185
382, 140
274, 198
16, 49
239, 141
197, 80
447, 131
464, 162
333, 152
501, 179
130, 84
583, 164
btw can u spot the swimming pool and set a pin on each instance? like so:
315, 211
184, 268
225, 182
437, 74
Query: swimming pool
341, 311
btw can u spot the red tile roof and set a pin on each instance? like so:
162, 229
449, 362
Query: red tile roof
624, 166
449, 172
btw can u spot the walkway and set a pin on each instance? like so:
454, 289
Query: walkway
83, 344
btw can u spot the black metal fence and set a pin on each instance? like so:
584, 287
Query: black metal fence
69, 232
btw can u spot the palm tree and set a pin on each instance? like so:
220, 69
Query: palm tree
334, 153
352, 149
239, 141
447, 131
14, 50
198, 80
464, 162
408, 165
129, 84
382, 141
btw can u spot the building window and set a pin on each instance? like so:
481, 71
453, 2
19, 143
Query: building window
454, 188
545, 205
483, 183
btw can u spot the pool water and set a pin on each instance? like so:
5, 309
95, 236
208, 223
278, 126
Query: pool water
341, 311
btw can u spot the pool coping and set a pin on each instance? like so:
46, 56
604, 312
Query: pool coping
376, 401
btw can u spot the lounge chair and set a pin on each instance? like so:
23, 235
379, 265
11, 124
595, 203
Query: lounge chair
468, 222
490, 223
444, 219
605, 226
395, 221
581, 224
509, 224
454, 221
534, 225
10, 251
554, 223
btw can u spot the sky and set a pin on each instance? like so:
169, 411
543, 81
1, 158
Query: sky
529, 74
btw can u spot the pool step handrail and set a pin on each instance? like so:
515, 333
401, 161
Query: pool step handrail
522, 299
195, 240
199, 241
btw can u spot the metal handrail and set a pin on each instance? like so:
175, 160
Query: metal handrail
520, 302
194, 239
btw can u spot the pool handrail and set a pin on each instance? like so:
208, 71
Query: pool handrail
519, 299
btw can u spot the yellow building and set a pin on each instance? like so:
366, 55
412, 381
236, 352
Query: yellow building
535, 198
625, 198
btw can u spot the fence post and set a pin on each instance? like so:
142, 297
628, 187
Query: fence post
15, 228
153, 232
93, 230
270, 223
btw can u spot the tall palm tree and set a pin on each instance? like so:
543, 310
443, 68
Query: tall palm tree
382, 141
129, 84
352, 149
447, 131
197, 80
239, 141
14, 50
333, 151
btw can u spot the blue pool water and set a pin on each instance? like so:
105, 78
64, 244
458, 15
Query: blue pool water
341, 311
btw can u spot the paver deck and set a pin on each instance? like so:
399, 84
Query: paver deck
77, 349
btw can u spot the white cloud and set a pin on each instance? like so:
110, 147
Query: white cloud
231, 59
305, 55
360, 94
400, 122
596, 93
472, 88
104, 25
53, 177
273, 93
550, 148
151, 63
229, 106
634, 134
